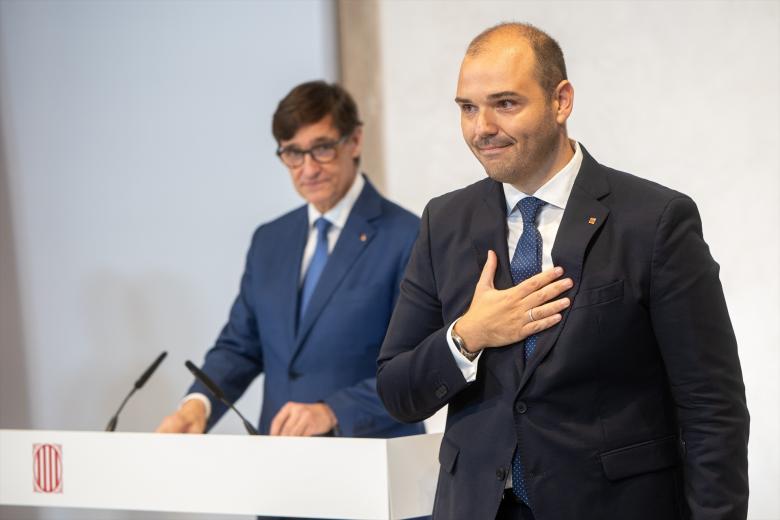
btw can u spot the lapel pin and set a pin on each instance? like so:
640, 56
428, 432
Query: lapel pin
592, 220
363, 237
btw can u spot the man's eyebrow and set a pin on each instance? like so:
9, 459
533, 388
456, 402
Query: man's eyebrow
505, 94
323, 139
492, 97
315, 142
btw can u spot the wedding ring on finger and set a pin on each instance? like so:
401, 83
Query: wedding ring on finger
531, 315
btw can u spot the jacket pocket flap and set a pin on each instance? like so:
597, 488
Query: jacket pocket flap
448, 454
606, 293
644, 457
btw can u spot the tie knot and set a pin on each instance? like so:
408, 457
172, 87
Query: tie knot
529, 207
322, 224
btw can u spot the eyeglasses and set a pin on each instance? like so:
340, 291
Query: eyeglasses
322, 153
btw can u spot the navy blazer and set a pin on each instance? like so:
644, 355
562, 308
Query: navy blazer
633, 406
331, 355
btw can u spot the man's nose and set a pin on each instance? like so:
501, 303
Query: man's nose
310, 166
486, 124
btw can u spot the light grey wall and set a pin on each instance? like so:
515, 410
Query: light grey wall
684, 93
136, 160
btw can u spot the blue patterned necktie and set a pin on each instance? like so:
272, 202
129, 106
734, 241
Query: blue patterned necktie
316, 266
526, 262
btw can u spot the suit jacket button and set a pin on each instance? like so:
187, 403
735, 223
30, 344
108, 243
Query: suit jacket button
501, 473
441, 391
521, 407
293, 375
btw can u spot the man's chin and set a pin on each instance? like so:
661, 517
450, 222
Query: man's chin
322, 201
498, 174
315, 192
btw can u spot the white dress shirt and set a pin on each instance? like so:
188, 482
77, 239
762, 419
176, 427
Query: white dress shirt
337, 215
555, 193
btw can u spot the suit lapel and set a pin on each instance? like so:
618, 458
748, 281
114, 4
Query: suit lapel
583, 218
489, 231
290, 277
353, 240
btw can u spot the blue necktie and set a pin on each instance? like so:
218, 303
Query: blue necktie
316, 266
526, 262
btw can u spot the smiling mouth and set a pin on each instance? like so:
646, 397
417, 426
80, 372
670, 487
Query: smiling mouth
492, 150
313, 184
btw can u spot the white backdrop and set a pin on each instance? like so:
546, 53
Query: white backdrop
684, 93
138, 160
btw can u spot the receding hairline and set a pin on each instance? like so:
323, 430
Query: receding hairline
521, 31
548, 58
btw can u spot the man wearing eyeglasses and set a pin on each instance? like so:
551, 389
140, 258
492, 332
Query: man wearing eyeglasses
318, 289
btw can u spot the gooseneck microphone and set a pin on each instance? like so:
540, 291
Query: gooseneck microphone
111, 426
218, 393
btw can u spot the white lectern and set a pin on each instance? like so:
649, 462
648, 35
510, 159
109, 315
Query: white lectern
360, 479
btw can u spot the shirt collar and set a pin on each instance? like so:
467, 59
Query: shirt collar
554, 192
338, 214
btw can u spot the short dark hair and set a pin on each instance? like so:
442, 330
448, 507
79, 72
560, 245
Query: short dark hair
310, 102
550, 65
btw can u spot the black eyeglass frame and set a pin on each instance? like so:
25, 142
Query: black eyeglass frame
327, 145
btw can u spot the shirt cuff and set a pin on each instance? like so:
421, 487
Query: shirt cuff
467, 368
200, 397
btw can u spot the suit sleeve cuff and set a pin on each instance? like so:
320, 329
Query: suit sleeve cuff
467, 368
342, 409
200, 397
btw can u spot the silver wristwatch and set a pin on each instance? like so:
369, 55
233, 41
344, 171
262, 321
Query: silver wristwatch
471, 356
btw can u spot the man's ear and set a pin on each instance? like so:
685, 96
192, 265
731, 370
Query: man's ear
563, 101
357, 140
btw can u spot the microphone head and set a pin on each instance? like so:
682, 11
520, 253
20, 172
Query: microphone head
203, 378
149, 371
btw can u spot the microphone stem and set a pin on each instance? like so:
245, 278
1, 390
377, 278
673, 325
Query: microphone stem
247, 425
113, 421
121, 406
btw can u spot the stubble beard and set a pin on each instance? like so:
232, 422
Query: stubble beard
527, 161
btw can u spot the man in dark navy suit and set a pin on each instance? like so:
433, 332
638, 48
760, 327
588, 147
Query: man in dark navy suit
318, 289
572, 318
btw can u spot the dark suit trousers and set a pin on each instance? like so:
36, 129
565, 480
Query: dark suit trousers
512, 509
